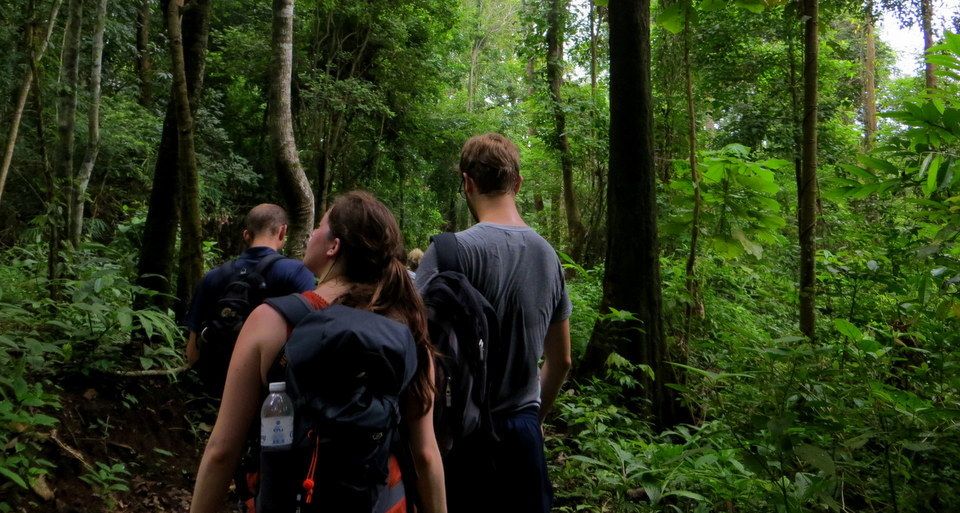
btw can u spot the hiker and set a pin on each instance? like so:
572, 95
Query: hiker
357, 253
228, 293
519, 274
413, 261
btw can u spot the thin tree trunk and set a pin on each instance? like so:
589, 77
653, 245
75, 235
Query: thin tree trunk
191, 252
48, 178
157, 248
290, 175
93, 128
796, 125
869, 80
926, 17
808, 191
632, 278
23, 94
66, 120
694, 173
143, 64
593, 51
555, 28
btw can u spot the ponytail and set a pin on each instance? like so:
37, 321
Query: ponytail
373, 263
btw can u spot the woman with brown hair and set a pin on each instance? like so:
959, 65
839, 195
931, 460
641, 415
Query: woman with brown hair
357, 253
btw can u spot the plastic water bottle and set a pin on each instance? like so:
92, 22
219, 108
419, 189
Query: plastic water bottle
276, 419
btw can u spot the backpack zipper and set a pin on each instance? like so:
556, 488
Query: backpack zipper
482, 355
449, 395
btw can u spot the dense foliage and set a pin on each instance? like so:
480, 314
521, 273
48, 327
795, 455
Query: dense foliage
862, 417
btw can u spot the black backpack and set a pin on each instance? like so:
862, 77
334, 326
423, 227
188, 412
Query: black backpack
245, 290
345, 372
463, 327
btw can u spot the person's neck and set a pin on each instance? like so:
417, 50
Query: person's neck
500, 209
264, 243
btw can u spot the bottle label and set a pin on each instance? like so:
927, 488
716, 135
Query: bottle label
276, 432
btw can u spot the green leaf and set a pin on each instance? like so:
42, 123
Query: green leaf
671, 19
932, 174
847, 329
874, 163
749, 246
688, 494
754, 6
713, 5
14, 477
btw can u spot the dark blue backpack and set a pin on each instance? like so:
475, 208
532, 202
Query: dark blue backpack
345, 372
464, 328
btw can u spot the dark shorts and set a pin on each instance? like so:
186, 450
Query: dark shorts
509, 475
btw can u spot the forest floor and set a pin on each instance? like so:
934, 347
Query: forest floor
144, 434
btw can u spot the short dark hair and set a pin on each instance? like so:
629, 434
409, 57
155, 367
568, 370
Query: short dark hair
265, 218
492, 161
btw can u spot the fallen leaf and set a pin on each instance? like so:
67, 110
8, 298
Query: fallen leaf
40, 487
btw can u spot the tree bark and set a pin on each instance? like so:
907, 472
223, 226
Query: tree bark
926, 18
93, 128
290, 175
808, 190
157, 248
24, 93
694, 173
560, 142
191, 238
144, 65
869, 79
65, 179
632, 278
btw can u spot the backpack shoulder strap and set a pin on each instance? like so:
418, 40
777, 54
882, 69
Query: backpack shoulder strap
446, 247
266, 262
293, 307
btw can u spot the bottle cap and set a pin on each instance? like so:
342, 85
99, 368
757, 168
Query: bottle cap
278, 386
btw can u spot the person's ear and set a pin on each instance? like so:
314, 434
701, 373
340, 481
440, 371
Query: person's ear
469, 186
334, 248
282, 232
247, 236
516, 186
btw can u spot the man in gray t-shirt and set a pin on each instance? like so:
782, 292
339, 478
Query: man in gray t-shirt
518, 272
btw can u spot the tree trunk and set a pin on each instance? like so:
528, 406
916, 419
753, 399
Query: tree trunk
157, 248
24, 93
290, 175
555, 27
66, 120
191, 238
926, 17
143, 63
694, 173
593, 51
93, 128
808, 180
49, 180
869, 80
632, 278
796, 122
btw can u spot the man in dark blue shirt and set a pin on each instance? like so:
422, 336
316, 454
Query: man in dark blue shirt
265, 230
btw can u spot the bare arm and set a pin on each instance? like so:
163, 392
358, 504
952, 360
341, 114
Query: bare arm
426, 459
262, 334
557, 361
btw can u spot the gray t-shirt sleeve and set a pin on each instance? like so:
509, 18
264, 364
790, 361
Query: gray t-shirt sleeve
427, 269
564, 307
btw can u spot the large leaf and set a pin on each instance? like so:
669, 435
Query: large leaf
671, 18
817, 457
847, 329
